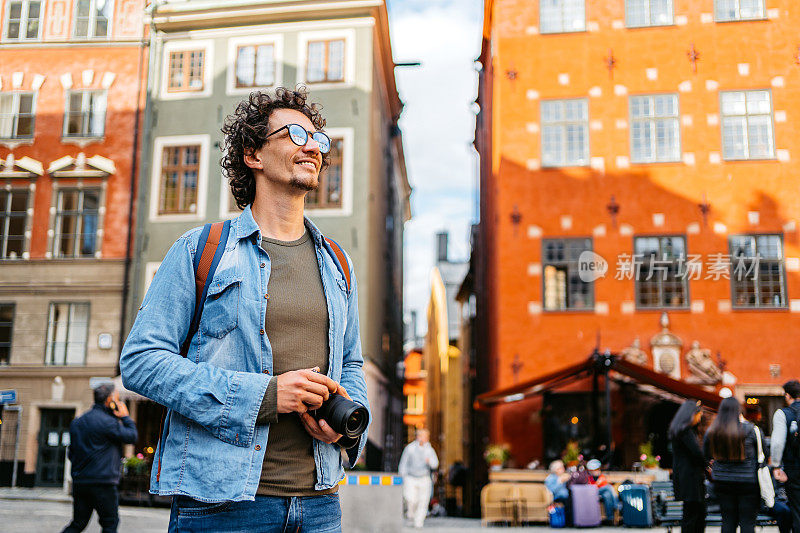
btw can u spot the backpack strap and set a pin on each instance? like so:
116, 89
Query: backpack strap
206, 258
341, 260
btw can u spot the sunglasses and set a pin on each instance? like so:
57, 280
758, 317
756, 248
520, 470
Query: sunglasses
299, 136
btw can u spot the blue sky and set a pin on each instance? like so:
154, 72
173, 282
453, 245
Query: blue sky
438, 128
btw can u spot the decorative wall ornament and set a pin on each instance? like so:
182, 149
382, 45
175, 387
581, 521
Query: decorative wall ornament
611, 63
666, 348
705, 208
613, 209
635, 354
702, 367
694, 57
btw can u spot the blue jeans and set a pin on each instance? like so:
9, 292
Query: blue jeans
609, 498
267, 514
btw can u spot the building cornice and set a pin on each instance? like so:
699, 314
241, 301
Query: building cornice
174, 15
46, 371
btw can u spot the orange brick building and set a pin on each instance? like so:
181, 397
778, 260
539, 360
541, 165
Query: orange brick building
662, 136
414, 387
72, 80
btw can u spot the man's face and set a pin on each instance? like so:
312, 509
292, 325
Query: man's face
282, 161
788, 398
423, 436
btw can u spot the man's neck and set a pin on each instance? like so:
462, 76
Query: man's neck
279, 215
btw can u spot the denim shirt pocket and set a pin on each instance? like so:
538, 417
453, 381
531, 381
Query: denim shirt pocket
221, 310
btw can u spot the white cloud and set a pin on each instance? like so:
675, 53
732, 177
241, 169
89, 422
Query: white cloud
438, 127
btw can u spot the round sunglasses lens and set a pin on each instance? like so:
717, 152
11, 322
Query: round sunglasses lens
298, 135
323, 141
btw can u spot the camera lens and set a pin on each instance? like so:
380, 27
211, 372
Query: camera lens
344, 416
356, 423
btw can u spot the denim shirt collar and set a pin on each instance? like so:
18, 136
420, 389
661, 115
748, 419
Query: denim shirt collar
246, 225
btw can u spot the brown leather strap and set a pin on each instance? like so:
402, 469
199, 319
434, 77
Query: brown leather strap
200, 277
207, 258
342, 261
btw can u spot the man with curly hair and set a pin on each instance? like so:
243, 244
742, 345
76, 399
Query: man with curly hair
278, 335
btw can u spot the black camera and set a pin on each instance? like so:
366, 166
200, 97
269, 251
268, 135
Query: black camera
346, 417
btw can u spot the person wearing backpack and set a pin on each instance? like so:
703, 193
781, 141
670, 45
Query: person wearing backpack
785, 448
242, 360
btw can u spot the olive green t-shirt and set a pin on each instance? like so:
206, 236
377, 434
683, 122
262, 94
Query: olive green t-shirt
297, 328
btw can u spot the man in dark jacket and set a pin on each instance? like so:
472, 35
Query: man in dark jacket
785, 455
96, 440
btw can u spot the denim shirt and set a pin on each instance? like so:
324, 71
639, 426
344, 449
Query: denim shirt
211, 448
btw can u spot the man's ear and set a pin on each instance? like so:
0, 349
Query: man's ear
252, 159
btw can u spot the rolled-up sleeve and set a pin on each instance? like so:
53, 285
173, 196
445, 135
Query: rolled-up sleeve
225, 402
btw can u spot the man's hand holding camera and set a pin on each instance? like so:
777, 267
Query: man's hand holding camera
302, 390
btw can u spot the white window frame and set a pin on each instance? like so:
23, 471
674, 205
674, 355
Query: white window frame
187, 45
738, 17
723, 116
349, 37
649, 11
57, 221
16, 95
92, 22
656, 269
564, 163
224, 196
48, 348
23, 22
276, 40
348, 148
159, 145
84, 111
651, 121
562, 29
734, 260
5, 220
570, 266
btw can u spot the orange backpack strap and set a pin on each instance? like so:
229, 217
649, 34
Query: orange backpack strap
341, 260
206, 258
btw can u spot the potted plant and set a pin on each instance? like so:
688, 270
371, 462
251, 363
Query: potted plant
497, 455
649, 459
135, 481
572, 454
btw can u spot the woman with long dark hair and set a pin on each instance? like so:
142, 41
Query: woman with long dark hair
731, 443
688, 466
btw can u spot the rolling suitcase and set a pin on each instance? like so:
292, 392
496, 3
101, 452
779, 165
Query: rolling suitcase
637, 510
585, 506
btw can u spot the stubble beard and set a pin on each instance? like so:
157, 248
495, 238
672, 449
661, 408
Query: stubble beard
307, 185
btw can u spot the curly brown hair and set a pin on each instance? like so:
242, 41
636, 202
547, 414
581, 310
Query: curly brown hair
247, 128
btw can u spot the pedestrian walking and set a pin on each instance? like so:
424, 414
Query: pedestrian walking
95, 451
417, 462
730, 443
242, 447
689, 466
785, 448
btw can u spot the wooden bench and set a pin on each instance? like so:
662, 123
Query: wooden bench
668, 512
514, 503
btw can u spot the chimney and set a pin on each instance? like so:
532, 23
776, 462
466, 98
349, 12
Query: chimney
441, 247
